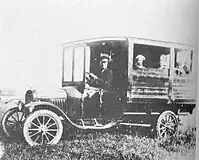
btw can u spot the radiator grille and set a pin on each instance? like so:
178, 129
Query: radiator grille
60, 102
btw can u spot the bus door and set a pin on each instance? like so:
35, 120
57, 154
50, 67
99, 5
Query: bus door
76, 62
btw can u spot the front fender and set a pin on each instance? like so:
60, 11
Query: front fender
34, 106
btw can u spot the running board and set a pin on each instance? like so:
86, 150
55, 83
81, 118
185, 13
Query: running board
96, 127
141, 113
136, 124
96, 124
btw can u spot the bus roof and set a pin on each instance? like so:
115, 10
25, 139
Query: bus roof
135, 39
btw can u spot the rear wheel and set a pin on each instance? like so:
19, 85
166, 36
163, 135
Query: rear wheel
12, 122
167, 125
43, 127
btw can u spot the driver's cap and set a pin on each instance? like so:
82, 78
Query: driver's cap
104, 57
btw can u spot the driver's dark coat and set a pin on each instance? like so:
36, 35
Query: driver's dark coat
105, 79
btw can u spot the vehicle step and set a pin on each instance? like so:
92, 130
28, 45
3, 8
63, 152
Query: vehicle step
136, 124
140, 113
92, 121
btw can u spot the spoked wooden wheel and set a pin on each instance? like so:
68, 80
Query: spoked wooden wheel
43, 127
167, 125
12, 122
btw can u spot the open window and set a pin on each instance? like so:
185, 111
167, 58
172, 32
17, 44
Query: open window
151, 57
183, 62
118, 52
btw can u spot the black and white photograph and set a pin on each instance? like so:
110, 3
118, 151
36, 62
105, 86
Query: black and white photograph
98, 79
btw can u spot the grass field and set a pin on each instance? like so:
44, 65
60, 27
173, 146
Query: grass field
122, 143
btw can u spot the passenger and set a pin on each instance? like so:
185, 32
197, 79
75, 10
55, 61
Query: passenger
164, 62
182, 69
139, 61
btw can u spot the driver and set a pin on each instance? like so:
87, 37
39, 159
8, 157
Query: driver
104, 80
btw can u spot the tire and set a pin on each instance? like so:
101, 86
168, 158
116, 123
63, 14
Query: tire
42, 127
167, 125
12, 123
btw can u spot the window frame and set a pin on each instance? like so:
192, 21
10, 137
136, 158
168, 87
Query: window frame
191, 53
73, 47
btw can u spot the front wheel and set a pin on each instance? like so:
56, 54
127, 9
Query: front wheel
167, 125
43, 127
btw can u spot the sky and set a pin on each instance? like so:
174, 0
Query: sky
32, 31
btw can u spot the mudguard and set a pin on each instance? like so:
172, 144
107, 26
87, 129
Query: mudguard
34, 106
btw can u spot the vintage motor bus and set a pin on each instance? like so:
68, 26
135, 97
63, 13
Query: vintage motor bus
152, 95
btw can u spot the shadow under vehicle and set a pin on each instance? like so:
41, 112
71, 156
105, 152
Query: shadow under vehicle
151, 96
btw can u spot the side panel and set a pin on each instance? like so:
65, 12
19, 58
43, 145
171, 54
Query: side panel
148, 84
184, 89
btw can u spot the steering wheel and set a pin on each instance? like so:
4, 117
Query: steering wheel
90, 78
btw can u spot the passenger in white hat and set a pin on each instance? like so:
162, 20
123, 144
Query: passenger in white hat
139, 61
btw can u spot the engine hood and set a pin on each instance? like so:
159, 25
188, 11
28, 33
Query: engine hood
50, 94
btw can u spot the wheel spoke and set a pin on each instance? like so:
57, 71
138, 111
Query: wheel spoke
43, 120
46, 137
50, 134
163, 132
170, 128
167, 117
35, 141
17, 113
163, 120
162, 124
13, 118
10, 121
33, 129
172, 124
162, 127
173, 120
38, 121
51, 125
52, 130
42, 138
34, 134
22, 116
48, 121
34, 124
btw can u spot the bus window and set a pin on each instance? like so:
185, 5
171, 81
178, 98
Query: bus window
148, 56
183, 61
68, 56
74, 64
87, 56
79, 64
